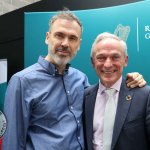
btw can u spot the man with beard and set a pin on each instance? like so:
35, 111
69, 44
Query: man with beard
43, 103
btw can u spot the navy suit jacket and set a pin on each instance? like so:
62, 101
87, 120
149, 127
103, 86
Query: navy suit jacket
132, 121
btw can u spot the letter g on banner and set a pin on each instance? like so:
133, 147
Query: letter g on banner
147, 35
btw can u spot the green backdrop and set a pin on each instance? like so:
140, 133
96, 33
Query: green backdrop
2, 94
130, 21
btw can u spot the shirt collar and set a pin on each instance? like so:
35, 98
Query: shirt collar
51, 68
116, 86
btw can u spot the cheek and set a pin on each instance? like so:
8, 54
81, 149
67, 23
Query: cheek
98, 66
54, 41
119, 64
54, 44
75, 45
120, 67
74, 49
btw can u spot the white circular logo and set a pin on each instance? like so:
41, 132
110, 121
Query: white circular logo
3, 124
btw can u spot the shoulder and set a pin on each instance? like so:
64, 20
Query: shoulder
145, 89
141, 93
27, 70
74, 70
75, 73
91, 89
26, 73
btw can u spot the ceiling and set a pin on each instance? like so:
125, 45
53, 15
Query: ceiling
10, 5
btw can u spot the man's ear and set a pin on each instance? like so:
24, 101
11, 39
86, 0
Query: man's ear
93, 63
47, 38
126, 61
79, 44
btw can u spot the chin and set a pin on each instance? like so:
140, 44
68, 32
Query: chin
108, 81
62, 60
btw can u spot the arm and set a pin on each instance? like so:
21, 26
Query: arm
148, 118
135, 79
86, 82
17, 116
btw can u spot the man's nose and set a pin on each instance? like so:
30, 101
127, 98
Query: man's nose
65, 42
108, 63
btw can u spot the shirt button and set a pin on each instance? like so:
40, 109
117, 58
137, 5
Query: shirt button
71, 107
78, 121
68, 92
78, 137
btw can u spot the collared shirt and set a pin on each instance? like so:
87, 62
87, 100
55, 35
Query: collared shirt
99, 113
44, 109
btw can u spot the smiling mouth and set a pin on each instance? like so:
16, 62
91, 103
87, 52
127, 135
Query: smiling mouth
63, 53
109, 72
62, 50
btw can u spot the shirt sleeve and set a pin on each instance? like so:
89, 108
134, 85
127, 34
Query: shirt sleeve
86, 82
17, 116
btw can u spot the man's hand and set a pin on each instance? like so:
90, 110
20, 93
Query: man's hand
135, 79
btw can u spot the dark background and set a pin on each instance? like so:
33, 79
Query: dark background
12, 26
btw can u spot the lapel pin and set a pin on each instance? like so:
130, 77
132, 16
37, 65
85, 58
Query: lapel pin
128, 97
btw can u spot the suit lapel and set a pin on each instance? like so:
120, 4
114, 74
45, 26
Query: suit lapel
125, 97
90, 99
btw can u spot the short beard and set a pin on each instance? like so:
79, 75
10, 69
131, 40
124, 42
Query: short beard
60, 61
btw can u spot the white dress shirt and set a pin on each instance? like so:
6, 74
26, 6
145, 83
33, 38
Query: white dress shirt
99, 113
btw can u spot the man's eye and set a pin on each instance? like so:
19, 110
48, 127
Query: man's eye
100, 58
116, 57
73, 38
59, 35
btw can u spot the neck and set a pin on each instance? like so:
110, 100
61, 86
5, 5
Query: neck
60, 67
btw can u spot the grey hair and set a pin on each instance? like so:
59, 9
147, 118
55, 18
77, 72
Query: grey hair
65, 14
107, 35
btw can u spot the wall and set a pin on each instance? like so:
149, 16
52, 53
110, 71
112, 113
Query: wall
133, 27
12, 26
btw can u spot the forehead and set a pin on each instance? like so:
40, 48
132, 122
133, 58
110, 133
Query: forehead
109, 44
66, 25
